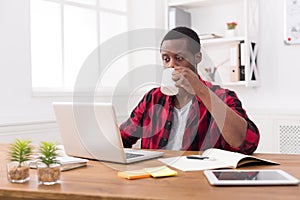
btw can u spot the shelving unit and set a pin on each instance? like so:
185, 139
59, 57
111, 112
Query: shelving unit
210, 17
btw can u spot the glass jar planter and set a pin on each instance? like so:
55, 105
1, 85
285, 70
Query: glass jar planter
48, 175
17, 173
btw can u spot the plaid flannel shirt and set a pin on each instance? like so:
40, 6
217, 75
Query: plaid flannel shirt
152, 120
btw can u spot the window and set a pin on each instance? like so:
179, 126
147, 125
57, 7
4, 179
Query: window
65, 32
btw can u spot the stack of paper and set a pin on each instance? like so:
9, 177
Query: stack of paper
68, 162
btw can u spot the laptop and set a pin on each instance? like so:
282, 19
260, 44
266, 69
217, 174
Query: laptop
90, 130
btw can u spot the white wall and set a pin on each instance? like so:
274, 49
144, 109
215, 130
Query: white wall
17, 103
279, 63
277, 98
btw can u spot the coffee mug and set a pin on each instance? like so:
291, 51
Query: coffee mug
167, 86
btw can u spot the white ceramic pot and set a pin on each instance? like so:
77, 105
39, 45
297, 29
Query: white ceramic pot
230, 33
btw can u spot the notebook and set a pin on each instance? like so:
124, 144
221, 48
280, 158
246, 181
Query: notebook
90, 130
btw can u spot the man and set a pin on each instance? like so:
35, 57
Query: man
200, 116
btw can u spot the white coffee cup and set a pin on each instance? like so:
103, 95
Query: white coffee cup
167, 86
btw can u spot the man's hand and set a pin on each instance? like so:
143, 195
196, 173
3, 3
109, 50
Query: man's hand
186, 78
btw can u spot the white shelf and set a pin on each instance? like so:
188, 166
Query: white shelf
241, 83
187, 4
222, 40
238, 83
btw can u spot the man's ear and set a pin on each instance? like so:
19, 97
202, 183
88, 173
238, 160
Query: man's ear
198, 57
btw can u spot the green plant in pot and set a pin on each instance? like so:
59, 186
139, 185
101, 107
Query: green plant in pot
19, 155
48, 167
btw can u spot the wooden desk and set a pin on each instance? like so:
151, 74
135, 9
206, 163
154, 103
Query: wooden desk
99, 181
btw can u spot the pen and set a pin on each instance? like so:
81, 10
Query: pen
197, 157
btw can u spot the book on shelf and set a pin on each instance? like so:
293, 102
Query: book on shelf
178, 17
242, 61
214, 159
235, 62
207, 36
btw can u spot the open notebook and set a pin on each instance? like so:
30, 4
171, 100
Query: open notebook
213, 159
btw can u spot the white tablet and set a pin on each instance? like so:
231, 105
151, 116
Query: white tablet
249, 177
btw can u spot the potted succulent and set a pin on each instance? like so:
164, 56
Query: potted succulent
48, 168
231, 25
19, 155
230, 32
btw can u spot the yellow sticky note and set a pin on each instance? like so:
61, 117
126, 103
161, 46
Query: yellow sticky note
160, 171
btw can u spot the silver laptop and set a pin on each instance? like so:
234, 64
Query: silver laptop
90, 130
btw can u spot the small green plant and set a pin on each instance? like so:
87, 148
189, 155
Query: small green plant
231, 25
20, 151
49, 153
49, 171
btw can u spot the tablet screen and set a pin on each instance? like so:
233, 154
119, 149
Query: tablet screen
250, 175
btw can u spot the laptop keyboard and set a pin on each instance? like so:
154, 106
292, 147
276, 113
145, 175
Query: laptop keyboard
132, 155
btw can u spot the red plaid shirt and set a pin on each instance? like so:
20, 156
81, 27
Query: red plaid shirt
152, 120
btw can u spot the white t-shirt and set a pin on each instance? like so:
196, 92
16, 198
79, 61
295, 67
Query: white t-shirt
178, 127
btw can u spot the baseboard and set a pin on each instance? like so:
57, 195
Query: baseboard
36, 131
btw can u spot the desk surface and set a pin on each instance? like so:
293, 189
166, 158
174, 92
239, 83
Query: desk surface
99, 181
